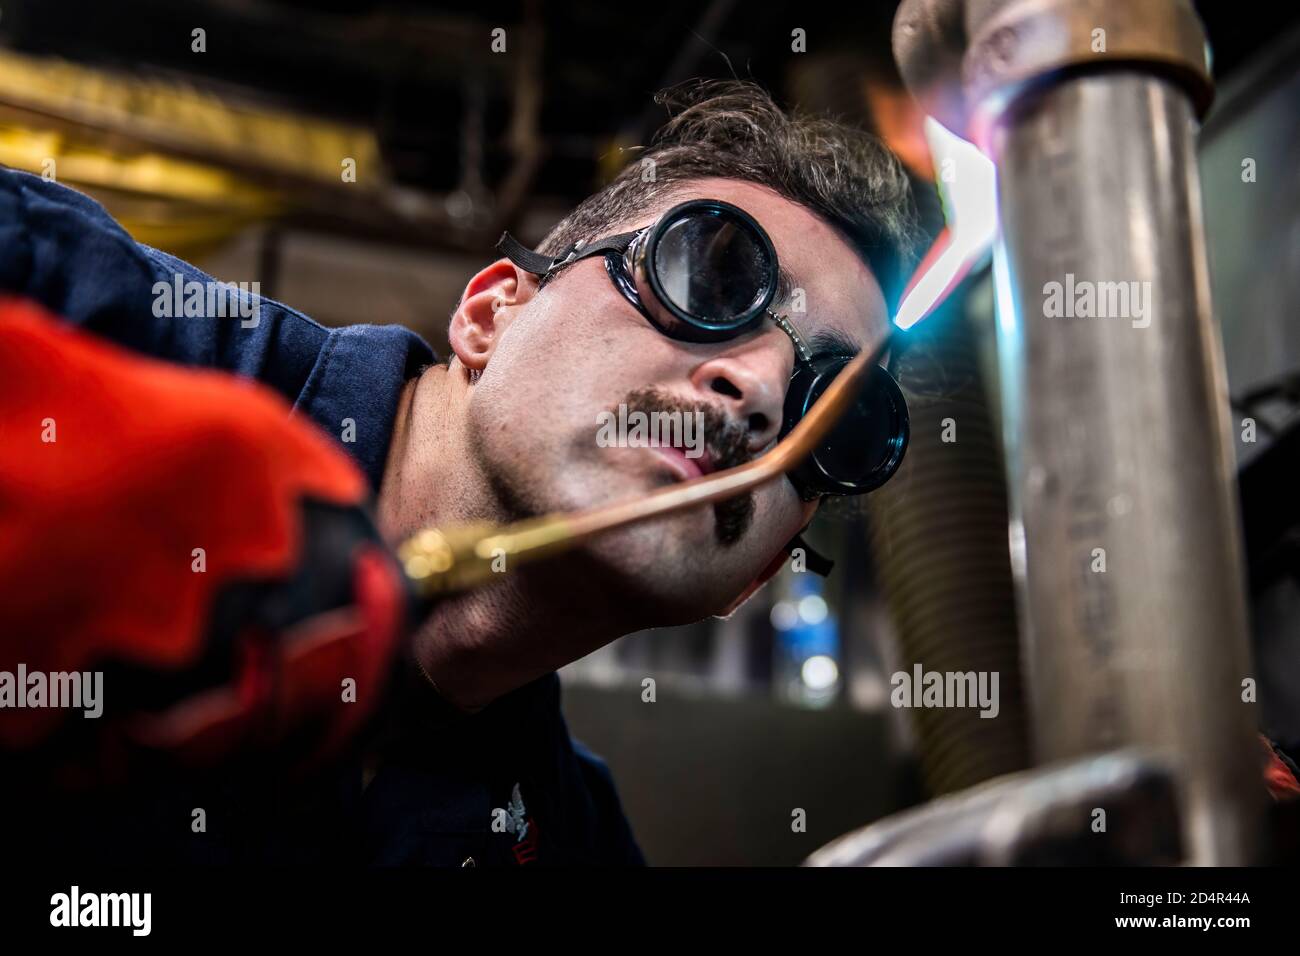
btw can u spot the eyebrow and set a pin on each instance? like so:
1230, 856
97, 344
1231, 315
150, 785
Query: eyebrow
831, 341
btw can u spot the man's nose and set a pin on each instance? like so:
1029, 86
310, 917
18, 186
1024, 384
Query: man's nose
749, 381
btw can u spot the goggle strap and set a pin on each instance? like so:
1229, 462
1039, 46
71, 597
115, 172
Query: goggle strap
523, 257
539, 264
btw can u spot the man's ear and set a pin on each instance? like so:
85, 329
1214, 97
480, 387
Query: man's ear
485, 311
751, 589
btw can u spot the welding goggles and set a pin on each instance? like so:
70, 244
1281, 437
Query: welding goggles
706, 271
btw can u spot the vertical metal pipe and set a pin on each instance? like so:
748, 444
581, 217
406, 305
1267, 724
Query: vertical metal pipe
1125, 535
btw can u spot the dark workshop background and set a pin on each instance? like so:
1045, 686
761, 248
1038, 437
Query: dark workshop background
230, 157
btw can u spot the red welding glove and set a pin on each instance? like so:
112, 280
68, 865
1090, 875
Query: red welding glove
176, 532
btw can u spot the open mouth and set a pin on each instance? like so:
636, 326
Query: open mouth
684, 467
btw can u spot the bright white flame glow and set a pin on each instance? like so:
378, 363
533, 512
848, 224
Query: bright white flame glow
968, 183
820, 672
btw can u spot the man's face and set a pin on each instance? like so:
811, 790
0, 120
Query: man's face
562, 356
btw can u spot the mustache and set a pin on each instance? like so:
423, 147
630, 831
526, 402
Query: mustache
727, 444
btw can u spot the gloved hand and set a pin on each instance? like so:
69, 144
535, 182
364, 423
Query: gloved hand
177, 533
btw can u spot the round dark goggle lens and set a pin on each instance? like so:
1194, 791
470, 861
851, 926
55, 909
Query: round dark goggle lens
865, 447
713, 268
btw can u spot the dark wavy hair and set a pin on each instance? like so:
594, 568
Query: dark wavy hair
733, 129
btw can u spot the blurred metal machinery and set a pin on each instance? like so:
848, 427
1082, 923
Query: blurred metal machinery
1039, 817
1125, 537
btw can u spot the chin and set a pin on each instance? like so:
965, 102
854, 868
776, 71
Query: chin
666, 567
662, 571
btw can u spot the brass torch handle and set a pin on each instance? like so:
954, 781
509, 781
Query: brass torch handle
439, 561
